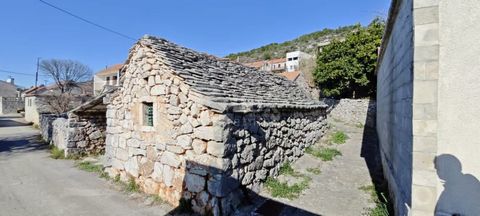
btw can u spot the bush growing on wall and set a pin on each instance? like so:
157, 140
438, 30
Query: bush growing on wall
346, 68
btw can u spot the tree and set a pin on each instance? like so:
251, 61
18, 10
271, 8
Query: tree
65, 73
346, 68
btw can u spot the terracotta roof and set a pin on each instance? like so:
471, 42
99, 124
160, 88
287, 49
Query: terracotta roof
226, 85
290, 75
110, 70
276, 61
257, 64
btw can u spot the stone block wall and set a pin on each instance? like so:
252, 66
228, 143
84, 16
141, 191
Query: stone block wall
11, 105
86, 133
46, 125
352, 111
193, 152
82, 133
60, 132
394, 103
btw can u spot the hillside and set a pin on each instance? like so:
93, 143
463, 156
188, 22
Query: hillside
307, 43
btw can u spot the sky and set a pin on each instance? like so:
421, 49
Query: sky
30, 29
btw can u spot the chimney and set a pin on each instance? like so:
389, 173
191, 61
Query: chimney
11, 80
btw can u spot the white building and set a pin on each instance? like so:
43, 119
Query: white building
107, 77
294, 58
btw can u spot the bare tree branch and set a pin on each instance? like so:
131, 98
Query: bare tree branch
65, 73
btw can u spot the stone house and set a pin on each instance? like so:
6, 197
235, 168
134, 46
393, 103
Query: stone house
273, 65
428, 99
190, 126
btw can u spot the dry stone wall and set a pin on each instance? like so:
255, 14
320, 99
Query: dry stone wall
11, 105
193, 152
352, 111
86, 133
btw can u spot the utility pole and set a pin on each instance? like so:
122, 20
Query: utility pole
36, 74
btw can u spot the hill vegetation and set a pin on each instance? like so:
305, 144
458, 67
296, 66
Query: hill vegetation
308, 43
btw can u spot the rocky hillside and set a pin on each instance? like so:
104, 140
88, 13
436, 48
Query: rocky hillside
307, 43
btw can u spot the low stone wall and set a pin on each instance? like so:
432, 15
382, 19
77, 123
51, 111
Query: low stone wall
11, 105
46, 127
75, 133
352, 111
60, 133
86, 133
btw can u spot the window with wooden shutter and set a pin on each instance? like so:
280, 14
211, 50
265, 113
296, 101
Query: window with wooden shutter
148, 114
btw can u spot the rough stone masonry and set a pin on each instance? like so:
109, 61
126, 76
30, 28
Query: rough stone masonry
190, 126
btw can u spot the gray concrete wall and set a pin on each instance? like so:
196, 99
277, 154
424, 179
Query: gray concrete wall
394, 104
458, 108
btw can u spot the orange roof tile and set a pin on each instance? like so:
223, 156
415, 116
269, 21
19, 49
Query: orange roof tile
110, 70
290, 75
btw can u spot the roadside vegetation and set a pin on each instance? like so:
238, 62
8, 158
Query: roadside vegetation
325, 154
379, 197
339, 137
278, 188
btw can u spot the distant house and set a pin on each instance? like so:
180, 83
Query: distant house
273, 65
299, 78
10, 102
294, 59
35, 99
8, 88
107, 77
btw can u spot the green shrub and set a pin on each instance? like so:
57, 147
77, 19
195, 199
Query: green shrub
381, 202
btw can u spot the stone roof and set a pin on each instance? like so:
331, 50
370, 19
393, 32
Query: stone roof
226, 85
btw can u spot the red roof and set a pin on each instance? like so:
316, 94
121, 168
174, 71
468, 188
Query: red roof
110, 70
290, 75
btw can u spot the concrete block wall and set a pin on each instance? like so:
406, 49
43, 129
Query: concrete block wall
425, 97
394, 104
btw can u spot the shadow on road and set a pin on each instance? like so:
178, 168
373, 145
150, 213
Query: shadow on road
22, 144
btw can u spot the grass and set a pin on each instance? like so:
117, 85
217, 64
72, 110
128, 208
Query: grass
315, 170
382, 207
339, 137
90, 167
325, 154
282, 189
132, 186
56, 153
95, 168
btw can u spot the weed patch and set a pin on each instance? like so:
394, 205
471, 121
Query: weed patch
132, 186
90, 167
282, 189
381, 202
339, 137
56, 153
325, 154
315, 170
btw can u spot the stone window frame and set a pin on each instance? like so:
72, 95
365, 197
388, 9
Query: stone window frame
144, 127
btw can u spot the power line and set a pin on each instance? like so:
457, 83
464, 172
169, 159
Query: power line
88, 21
18, 73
